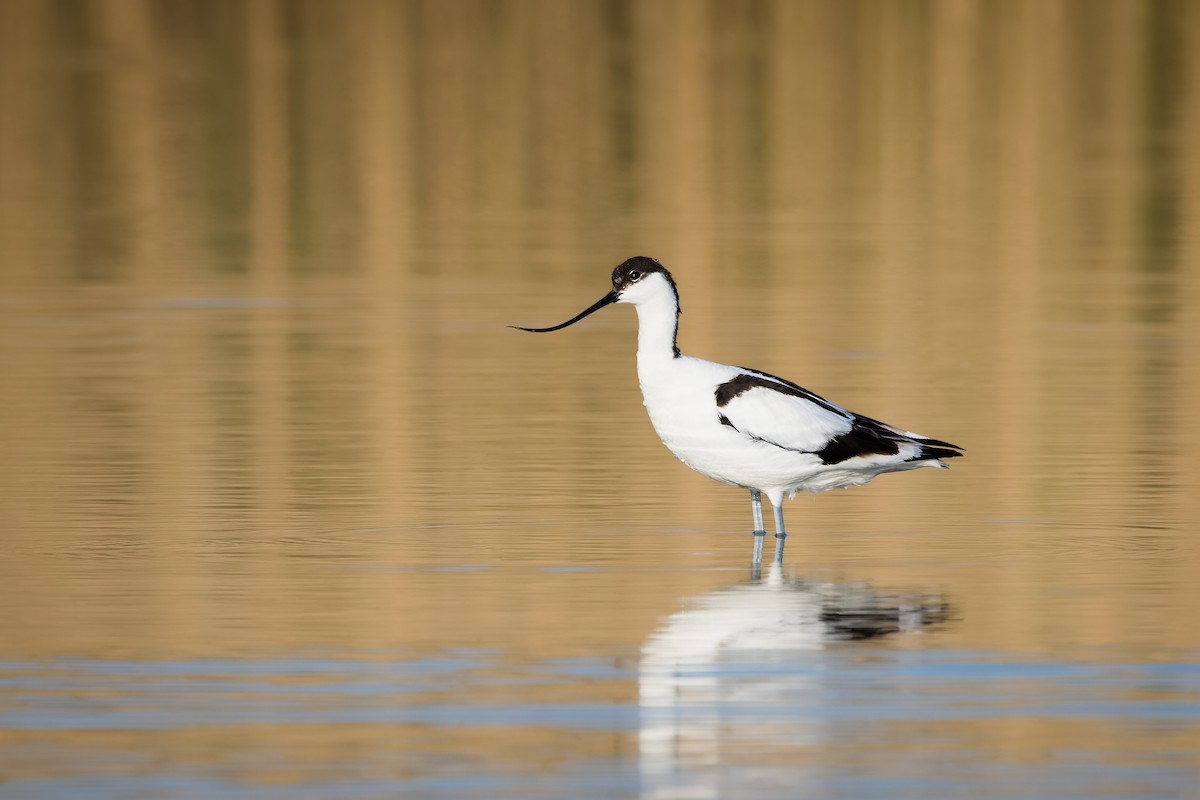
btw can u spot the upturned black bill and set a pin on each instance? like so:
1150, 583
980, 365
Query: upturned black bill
608, 299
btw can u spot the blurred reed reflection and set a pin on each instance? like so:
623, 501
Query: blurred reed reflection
257, 259
257, 256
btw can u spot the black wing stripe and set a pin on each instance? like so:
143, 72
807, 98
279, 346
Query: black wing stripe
930, 448
928, 452
861, 440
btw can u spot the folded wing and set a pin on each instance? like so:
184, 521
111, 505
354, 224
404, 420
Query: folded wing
779, 412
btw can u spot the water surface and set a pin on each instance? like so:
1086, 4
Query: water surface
288, 511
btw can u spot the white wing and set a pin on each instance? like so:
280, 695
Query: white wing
777, 411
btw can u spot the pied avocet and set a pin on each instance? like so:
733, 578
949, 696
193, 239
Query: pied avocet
749, 428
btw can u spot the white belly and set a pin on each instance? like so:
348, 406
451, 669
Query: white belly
679, 398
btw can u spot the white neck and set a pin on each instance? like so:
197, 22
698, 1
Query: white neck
658, 322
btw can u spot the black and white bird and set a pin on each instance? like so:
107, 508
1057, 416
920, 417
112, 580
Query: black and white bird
749, 428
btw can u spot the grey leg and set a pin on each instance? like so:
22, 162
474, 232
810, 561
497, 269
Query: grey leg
759, 530
780, 533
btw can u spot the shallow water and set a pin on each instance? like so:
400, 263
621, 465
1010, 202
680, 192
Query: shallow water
288, 511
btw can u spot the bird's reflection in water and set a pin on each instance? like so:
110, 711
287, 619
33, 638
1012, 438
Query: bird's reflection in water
756, 667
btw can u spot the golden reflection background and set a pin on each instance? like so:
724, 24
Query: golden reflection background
257, 259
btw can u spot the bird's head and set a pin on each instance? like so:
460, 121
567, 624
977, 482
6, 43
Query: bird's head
636, 280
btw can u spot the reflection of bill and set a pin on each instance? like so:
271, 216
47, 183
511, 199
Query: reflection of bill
746, 668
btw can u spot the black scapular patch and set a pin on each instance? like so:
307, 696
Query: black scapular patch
727, 391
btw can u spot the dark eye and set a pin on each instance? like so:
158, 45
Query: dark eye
635, 276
